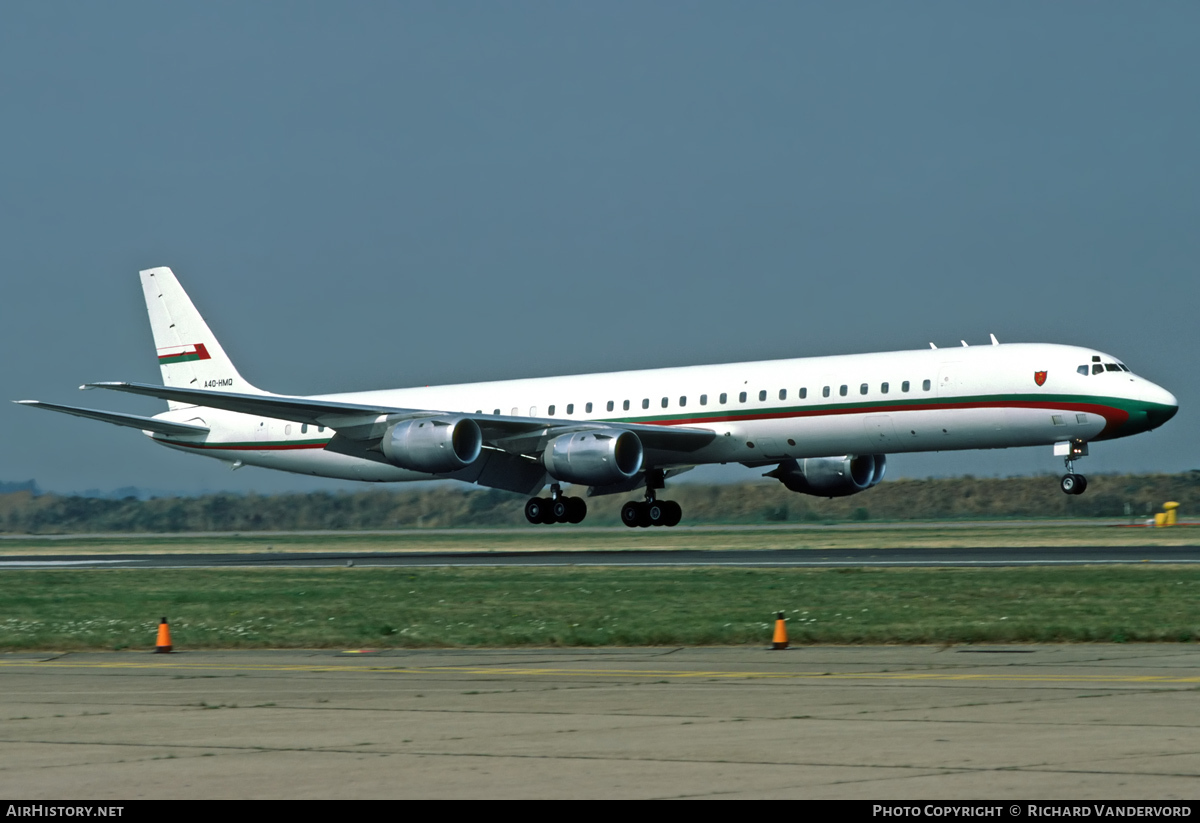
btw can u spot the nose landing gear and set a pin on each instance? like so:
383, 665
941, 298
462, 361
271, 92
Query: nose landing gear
1070, 450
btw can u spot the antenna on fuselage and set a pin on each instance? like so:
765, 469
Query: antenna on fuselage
995, 342
964, 342
932, 346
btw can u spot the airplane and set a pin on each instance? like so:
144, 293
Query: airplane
824, 425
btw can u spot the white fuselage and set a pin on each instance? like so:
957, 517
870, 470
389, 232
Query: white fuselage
979, 397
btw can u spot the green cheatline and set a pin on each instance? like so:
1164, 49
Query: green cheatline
731, 410
505, 607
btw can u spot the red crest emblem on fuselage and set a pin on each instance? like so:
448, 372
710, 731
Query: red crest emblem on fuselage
1039, 377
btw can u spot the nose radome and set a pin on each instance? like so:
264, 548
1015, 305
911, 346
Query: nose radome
1163, 405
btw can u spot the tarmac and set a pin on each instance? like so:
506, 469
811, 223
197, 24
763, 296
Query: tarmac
900, 722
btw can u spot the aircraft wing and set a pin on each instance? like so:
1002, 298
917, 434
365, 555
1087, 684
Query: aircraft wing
357, 422
133, 421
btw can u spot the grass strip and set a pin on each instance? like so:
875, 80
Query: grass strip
506, 607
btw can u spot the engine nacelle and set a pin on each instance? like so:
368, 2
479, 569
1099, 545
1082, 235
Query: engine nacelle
594, 458
436, 445
831, 476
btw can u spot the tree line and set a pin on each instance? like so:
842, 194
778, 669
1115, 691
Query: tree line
456, 505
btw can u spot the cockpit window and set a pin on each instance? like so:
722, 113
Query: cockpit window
1124, 367
1111, 367
1097, 368
1083, 370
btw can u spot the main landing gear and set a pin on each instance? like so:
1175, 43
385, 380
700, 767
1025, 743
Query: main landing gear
556, 509
652, 511
1072, 483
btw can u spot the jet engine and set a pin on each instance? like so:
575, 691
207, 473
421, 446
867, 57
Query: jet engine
831, 476
433, 444
594, 458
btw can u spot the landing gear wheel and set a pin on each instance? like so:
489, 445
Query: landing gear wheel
674, 513
560, 509
631, 514
656, 513
576, 510
535, 510
1073, 484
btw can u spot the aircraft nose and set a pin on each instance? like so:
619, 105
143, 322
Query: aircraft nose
1161, 405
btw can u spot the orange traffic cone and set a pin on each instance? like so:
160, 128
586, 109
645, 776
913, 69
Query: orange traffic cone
163, 644
780, 640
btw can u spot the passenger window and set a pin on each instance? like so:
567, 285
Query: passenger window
803, 393
682, 402
783, 394
514, 411
724, 398
862, 389
625, 405
549, 411
844, 390
304, 428
762, 395
287, 429
645, 402
610, 405
570, 408
742, 397
588, 407
664, 402
883, 388
1083, 370
320, 428
926, 386
496, 412
904, 386
1097, 368
825, 392
704, 400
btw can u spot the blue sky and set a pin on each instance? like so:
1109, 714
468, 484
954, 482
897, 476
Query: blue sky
363, 195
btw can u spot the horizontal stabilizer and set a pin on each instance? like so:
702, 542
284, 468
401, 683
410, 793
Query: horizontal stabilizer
133, 421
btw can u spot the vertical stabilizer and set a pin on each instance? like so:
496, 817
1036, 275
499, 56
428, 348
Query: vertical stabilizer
188, 353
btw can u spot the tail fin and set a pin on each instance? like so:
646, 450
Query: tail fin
188, 353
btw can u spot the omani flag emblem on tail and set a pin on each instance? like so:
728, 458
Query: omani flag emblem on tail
183, 354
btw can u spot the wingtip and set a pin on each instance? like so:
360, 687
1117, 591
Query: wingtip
26, 402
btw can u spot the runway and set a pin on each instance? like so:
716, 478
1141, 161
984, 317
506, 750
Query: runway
781, 558
1022, 722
